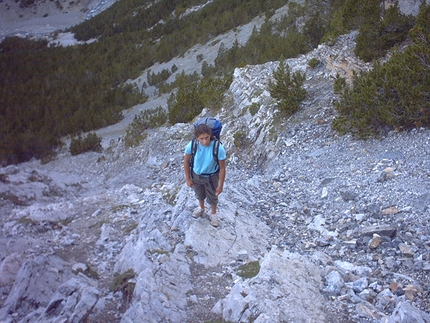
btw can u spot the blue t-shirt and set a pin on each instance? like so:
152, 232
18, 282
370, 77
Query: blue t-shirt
204, 162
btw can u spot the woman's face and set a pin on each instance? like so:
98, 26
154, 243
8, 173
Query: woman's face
204, 139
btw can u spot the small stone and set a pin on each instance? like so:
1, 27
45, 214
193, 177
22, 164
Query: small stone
324, 193
334, 283
347, 195
375, 242
366, 295
410, 291
406, 250
359, 285
382, 230
242, 256
389, 169
395, 286
390, 262
390, 211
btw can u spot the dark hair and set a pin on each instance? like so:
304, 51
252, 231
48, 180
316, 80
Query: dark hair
202, 129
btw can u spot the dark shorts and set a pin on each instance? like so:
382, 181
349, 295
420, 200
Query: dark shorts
205, 187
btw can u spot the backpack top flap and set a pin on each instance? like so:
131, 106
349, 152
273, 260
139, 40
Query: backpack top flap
213, 123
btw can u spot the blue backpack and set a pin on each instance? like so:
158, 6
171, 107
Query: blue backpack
216, 127
213, 123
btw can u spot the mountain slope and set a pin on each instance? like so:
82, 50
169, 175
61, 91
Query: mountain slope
298, 199
328, 229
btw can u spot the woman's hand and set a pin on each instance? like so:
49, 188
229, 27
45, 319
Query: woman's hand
189, 182
218, 190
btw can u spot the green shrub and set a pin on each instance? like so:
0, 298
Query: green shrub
253, 108
135, 131
378, 36
187, 104
349, 15
394, 28
18, 44
287, 89
81, 145
195, 94
339, 84
239, 138
88, 271
158, 79
123, 283
367, 44
393, 96
151, 118
314, 29
249, 270
314, 62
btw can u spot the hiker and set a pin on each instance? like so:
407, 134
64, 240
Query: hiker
208, 172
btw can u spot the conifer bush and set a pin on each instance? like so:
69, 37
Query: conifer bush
393, 96
314, 62
287, 89
146, 119
194, 95
378, 36
80, 145
339, 84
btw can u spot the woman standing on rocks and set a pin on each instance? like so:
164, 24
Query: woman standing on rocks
204, 172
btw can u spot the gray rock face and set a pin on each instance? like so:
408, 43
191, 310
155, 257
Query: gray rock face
286, 289
339, 228
34, 284
72, 302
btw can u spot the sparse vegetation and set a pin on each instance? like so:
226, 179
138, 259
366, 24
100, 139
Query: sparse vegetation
393, 96
80, 145
146, 119
159, 252
253, 108
125, 284
314, 62
195, 94
339, 84
88, 271
131, 227
239, 138
287, 89
379, 35
249, 270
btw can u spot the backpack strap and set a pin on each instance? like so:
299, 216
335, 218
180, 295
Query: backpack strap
193, 153
215, 151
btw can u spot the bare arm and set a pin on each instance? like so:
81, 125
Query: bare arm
222, 172
187, 170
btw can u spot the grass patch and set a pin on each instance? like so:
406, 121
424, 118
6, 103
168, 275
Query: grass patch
89, 272
249, 270
159, 252
124, 283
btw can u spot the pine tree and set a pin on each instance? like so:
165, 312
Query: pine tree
287, 88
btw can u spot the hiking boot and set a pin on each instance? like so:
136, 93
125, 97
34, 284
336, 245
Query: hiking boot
198, 212
214, 219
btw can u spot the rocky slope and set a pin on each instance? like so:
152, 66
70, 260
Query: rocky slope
316, 227
42, 17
